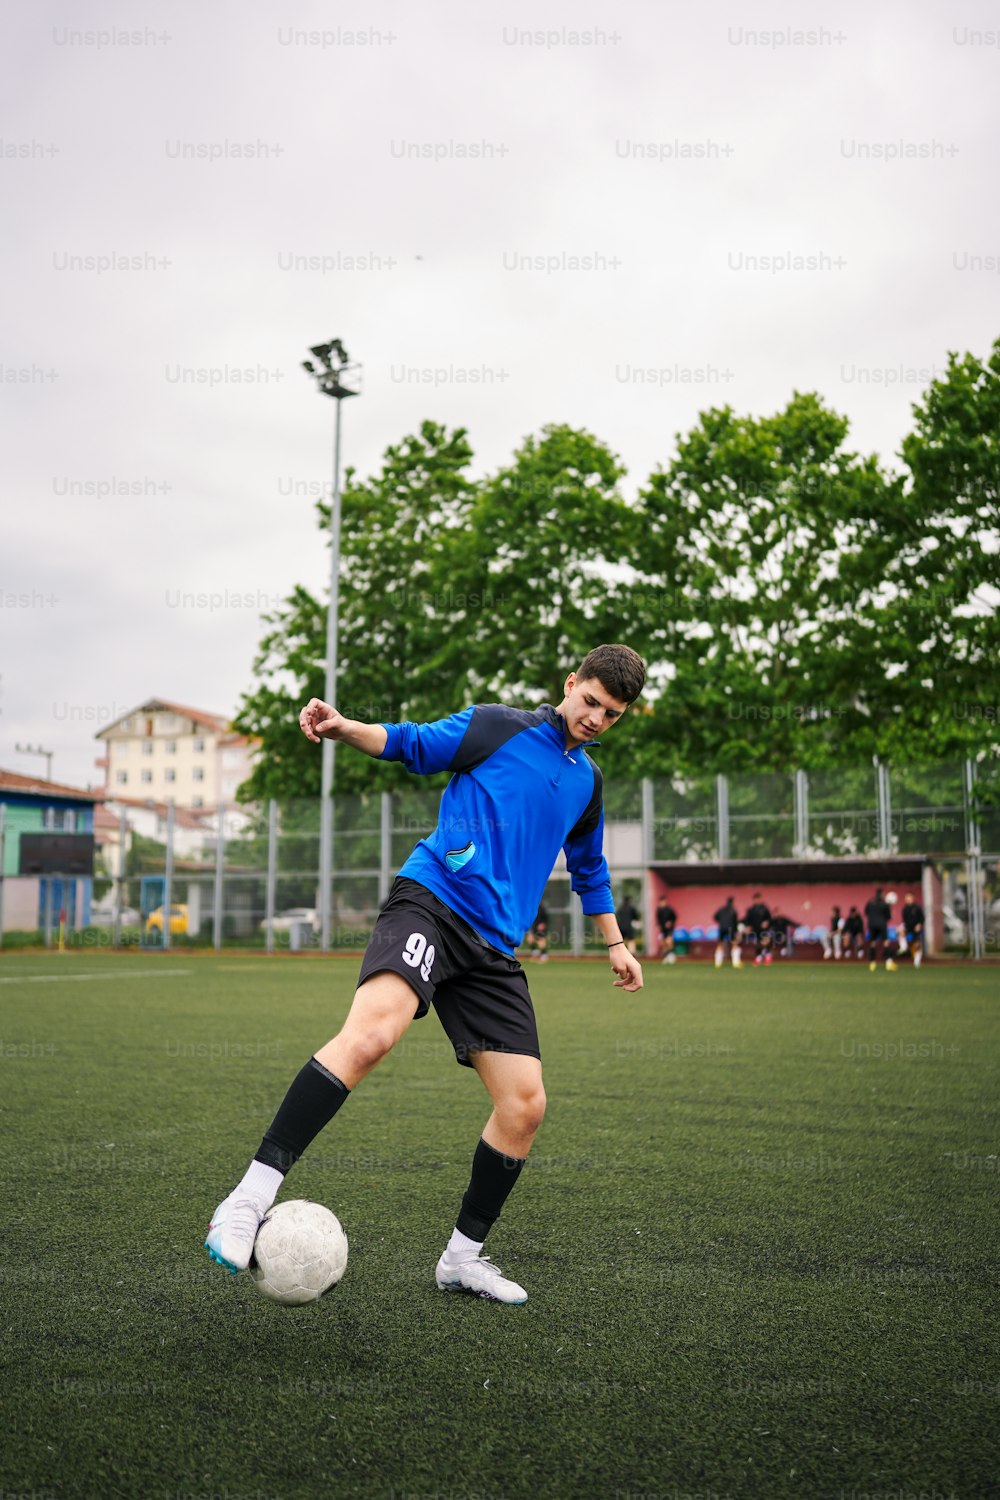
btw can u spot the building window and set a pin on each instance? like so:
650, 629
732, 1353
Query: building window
170, 775
122, 778
147, 776
125, 726
199, 743
197, 802
171, 747
147, 747
199, 773
122, 746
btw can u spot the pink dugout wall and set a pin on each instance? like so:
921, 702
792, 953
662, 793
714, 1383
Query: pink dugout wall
809, 904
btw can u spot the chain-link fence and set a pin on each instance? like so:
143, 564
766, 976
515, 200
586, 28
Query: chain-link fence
253, 882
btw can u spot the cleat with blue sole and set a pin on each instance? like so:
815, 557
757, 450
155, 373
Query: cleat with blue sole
232, 1232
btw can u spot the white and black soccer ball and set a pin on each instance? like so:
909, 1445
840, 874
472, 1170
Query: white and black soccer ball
300, 1252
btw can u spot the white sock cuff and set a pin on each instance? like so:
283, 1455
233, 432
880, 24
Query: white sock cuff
261, 1182
460, 1244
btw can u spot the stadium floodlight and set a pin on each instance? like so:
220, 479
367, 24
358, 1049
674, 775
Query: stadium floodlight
336, 377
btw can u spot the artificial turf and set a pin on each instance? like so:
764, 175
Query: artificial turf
757, 1231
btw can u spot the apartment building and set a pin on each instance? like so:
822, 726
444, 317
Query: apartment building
163, 750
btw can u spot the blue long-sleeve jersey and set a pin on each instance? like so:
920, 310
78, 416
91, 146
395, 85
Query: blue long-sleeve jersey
517, 796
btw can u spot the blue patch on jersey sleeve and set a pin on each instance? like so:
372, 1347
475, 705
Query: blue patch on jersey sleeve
456, 858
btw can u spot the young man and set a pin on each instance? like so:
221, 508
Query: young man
854, 932
913, 927
666, 921
834, 936
537, 936
523, 787
758, 921
877, 914
627, 917
728, 922
781, 926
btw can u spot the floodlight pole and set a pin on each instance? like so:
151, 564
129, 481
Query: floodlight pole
332, 372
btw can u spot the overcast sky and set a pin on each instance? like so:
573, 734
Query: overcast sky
504, 212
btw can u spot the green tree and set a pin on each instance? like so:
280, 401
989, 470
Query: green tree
767, 543
396, 608
546, 534
948, 601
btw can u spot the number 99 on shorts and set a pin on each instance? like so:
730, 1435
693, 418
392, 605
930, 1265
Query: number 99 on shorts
419, 954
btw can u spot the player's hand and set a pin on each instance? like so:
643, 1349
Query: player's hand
627, 967
319, 720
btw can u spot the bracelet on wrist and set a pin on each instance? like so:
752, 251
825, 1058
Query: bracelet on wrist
615, 944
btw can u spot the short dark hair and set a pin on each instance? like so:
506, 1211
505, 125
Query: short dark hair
620, 671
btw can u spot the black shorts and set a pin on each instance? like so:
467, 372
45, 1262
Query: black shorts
480, 994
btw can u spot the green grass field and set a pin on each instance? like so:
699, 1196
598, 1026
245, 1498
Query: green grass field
758, 1230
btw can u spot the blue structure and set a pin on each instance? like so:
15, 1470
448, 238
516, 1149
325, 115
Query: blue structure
32, 805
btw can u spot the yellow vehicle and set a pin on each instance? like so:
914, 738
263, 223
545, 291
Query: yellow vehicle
178, 920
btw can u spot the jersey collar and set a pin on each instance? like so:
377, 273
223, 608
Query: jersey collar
552, 716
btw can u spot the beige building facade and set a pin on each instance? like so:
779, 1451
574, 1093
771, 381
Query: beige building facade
163, 750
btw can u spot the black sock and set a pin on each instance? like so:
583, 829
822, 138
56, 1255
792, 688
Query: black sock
493, 1177
312, 1101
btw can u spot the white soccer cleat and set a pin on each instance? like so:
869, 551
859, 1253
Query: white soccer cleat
478, 1274
232, 1232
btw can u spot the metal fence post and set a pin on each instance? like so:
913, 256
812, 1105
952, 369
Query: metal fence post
973, 849
972, 830
883, 793
220, 865
722, 817
119, 898
325, 858
385, 847
168, 875
648, 851
272, 869
801, 848
648, 815
576, 927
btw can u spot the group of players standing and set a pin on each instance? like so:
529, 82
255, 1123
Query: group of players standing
767, 933
850, 936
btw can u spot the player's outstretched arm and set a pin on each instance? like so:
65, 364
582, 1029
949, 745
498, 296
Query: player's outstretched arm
321, 721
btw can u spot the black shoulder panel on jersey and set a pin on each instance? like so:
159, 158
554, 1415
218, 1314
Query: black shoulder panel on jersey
591, 815
491, 725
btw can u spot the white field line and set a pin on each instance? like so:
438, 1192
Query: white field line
59, 978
